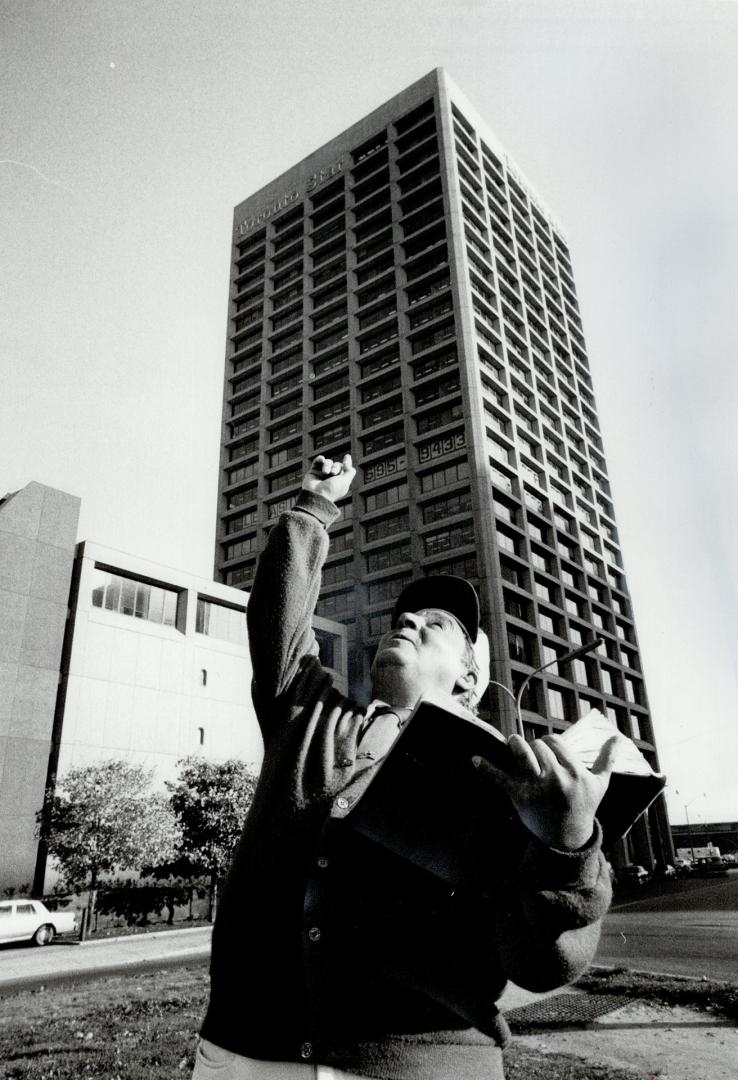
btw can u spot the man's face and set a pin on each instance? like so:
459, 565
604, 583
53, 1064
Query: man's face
428, 647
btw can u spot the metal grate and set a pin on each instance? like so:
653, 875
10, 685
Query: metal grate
563, 1010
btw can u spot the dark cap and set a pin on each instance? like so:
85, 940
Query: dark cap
445, 591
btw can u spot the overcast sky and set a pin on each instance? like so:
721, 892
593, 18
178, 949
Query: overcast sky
132, 127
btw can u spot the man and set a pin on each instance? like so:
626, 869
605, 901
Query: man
329, 959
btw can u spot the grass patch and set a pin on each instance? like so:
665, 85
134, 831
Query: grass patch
143, 1026
710, 995
522, 1063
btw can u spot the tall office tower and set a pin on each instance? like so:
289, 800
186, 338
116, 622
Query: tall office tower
403, 293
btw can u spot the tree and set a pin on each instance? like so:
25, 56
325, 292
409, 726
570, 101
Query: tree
211, 801
103, 818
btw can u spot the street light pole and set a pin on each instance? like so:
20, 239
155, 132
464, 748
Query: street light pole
689, 831
517, 699
686, 814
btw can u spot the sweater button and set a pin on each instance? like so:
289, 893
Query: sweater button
306, 1050
342, 803
314, 933
322, 862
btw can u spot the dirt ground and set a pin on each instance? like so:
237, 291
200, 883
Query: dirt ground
668, 1042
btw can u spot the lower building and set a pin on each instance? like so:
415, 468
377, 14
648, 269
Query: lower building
115, 657
38, 530
702, 836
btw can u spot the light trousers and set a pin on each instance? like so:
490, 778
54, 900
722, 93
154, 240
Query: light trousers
214, 1063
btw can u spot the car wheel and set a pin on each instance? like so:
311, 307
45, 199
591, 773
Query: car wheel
44, 935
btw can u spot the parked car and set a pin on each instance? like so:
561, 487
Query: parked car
712, 864
683, 867
664, 870
30, 920
633, 875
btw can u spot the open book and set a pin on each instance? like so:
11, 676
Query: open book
428, 804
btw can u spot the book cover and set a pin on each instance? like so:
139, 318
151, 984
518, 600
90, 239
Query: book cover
428, 804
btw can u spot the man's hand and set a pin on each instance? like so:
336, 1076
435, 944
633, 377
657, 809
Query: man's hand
331, 479
555, 795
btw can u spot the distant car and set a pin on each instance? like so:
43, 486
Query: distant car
683, 867
30, 920
665, 870
712, 864
633, 875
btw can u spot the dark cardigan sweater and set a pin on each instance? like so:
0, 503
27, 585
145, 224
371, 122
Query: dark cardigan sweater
324, 950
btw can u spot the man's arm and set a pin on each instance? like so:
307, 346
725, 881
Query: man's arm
287, 583
549, 921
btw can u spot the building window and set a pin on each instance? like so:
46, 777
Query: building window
201, 735
220, 621
377, 500
457, 503
579, 669
436, 418
286, 478
631, 690
384, 438
387, 526
336, 604
465, 567
389, 556
380, 387
241, 521
543, 592
131, 596
447, 474
247, 546
556, 704
387, 589
333, 408
518, 609
436, 388
387, 411
241, 574
329, 651
337, 572
203, 676
517, 647
379, 624
449, 539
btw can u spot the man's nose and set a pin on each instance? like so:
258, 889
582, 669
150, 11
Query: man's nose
411, 619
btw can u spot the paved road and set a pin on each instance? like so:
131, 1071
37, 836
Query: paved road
22, 967
688, 927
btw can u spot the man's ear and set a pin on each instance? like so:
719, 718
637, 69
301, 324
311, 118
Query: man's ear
465, 682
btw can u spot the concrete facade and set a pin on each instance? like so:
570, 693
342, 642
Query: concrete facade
38, 530
150, 693
404, 293
108, 655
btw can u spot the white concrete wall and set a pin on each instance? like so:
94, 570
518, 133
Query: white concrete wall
135, 687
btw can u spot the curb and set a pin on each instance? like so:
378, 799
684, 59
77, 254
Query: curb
155, 934
655, 975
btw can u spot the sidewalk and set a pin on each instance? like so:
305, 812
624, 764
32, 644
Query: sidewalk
65, 959
664, 1041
